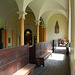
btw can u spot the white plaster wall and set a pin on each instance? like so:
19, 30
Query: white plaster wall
72, 37
29, 23
14, 37
14, 24
63, 27
9, 35
74, 29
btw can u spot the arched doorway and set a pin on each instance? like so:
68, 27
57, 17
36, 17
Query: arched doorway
28, 37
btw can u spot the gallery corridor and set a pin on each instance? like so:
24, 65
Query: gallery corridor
58, 64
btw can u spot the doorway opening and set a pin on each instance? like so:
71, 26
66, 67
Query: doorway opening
28, 37
1, 44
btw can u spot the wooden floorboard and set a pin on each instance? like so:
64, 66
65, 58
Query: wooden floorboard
55, 66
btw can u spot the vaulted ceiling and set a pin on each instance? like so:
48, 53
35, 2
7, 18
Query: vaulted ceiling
41, 8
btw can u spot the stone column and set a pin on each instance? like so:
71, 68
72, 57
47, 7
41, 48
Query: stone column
22, 17
22, 32
44, 34
37, 23
37, 33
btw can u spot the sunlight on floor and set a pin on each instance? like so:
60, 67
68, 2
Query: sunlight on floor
60, 48
56, 56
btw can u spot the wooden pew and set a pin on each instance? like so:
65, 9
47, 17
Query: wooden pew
43, 57
37, 50
26, 70
13, 59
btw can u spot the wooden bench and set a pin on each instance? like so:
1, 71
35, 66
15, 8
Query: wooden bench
37, 50
13, 59
26, 70
43, 57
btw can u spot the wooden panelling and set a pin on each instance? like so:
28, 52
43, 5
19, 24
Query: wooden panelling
13, 59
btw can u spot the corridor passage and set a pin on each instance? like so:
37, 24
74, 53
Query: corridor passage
58, 64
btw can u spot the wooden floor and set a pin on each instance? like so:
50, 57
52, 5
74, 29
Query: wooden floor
58, 64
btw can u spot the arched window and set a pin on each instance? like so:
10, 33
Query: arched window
56, 27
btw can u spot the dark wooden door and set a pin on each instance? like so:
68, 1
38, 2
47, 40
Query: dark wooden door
1, 39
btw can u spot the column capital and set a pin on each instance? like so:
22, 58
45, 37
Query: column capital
37, 22
43, 26
22, 14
